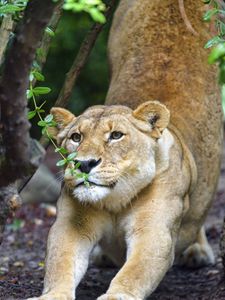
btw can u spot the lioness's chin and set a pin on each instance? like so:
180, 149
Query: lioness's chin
91, 194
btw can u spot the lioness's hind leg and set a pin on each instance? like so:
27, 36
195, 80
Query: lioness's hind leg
199, 254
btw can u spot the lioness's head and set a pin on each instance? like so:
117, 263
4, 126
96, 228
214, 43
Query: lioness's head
116, 147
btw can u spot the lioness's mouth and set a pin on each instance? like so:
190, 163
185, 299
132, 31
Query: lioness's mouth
91, 183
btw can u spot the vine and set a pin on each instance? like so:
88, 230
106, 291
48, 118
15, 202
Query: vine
46, 122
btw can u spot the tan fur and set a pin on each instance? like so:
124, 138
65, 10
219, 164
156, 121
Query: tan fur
161, 175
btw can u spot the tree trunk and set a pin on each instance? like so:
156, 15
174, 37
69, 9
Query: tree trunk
14, 124
222, 244
15, 158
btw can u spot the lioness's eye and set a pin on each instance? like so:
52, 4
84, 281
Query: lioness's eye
76, 137
116, 135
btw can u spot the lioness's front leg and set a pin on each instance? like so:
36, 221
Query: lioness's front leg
70, 242
151, 241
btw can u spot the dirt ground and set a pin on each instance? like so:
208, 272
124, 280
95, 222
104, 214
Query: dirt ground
23, 250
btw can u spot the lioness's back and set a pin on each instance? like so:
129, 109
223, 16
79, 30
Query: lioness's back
153, 55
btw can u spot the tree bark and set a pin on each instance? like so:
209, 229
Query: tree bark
5, 31
14, 124
222, 244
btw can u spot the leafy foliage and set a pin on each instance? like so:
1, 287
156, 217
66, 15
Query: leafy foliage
217, 14
12, 7
94, 7
47, 122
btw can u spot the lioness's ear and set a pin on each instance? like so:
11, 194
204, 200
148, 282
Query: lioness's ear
156, 114
62, 117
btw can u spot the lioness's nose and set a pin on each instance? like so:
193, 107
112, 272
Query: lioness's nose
87, 165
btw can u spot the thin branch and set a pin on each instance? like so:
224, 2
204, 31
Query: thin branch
46, 41
5, 31
81, 58
14, 124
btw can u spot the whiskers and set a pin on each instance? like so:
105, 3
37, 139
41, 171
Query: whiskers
59, 176
50, 185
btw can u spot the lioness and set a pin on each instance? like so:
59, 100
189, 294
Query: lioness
153, 166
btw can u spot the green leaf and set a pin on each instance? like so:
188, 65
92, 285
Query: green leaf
40, 53
49, 31
222, 73
61, 150
79, 175
217, 53
86, 183
38, 76
41, 90
44, 131
52, 124
36, 65
71, 156
31, 114
97, 15
77, 7
209, 14
77, 165
10, 9
29, 94
49, 118
215, 40
61, 163
221, 27
85, 176
31, 77
42, 123
40, 110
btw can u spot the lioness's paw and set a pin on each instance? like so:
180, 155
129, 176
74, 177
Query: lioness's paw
118, 296
197, 256
52, 296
